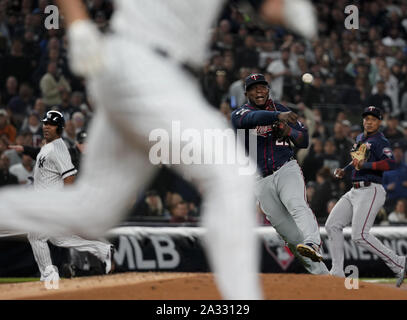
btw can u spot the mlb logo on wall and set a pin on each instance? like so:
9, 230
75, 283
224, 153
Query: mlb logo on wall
282, 255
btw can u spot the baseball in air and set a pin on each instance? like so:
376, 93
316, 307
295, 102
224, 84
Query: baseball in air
307, 78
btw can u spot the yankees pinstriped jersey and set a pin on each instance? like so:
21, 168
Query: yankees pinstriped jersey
380, 159
178, 27
53, 165
271, 153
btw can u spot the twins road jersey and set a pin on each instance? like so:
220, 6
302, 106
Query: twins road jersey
380, 159
271, 153
53, 165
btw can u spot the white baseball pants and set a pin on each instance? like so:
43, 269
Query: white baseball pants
42, 253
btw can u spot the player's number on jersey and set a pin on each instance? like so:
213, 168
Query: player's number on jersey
282, 143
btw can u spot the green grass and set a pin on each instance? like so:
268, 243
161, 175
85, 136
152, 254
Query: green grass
16, 280
379, 280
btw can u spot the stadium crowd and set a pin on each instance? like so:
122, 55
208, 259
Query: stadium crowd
351, 69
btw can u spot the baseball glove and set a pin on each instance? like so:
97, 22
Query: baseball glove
360, 152
280, 130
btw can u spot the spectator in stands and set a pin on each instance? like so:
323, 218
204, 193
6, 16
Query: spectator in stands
395, 181
152, 206
20, 105
392, 88
323, 193
247, 56
358, 95
393, 39
314, 160
399, 215
7, 130
66, 107
24, 170
69, 134
16, 63
40, 108
79, 121
6, 178
330, 157
11, 89
281, 73
380, 98
342, 143
392, 130
355, 130
179, 213
236, 92
52, 85
33, 124
219, 89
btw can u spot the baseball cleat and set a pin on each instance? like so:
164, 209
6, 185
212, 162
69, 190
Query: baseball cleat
309, 250
402, 275
109, 261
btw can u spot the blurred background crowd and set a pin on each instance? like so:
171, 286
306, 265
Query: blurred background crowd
351, 69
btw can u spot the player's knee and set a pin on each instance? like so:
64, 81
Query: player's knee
357, 238
332, 228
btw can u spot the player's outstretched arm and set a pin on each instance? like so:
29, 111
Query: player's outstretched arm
85, 40
73, 10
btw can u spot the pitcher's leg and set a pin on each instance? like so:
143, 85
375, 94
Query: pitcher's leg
97, 248
340, 217
370, 200
41, 252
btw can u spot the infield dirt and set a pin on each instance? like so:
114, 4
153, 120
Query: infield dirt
198, 286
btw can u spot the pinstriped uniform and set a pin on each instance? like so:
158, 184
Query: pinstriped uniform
140, 91
53, 165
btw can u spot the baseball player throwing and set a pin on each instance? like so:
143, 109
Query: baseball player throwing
53, 170
361, 204
281, 187
138, 81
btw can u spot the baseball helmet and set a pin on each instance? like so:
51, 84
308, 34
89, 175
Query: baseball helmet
55, 118
81, 136
253, 79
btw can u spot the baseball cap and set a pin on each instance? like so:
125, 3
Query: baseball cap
3, 112
372, 110
54, 118
81, 137
253, 79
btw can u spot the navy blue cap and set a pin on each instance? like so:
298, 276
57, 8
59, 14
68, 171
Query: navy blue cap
253, 79
372, 110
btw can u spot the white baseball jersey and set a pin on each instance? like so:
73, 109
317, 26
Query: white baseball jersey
53, 165
182, 28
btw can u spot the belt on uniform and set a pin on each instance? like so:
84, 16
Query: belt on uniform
361, 184
270, 172
186, 66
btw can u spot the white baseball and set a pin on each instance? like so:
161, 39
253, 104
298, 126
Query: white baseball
307, 78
